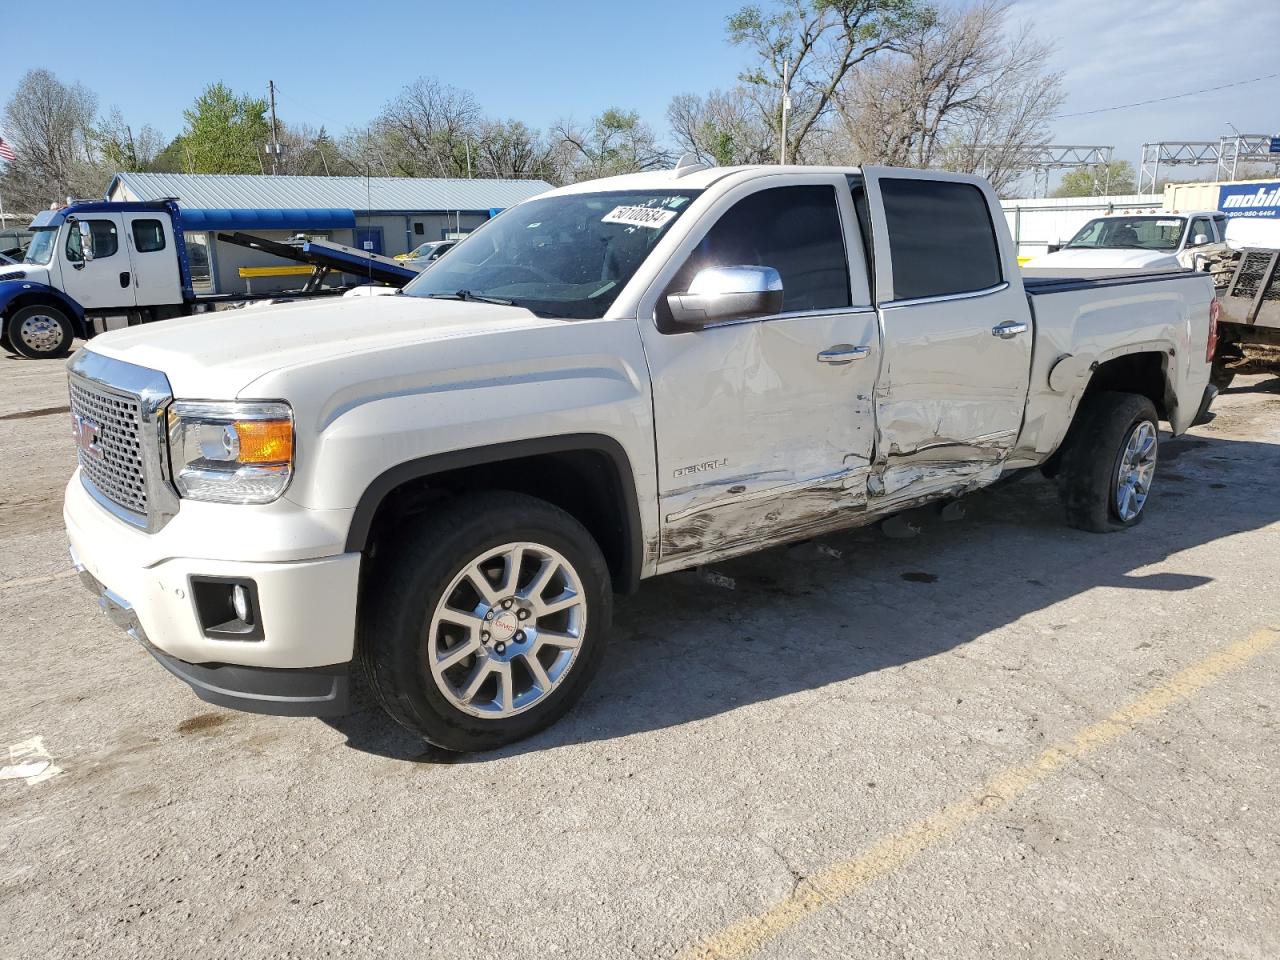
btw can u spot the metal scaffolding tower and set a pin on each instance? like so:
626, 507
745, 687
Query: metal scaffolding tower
1040, 160
1225, 153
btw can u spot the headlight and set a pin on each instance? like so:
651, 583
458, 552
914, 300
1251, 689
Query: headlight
231, 452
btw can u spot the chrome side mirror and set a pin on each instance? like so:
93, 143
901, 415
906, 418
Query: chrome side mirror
86, 241
727, 293
1199, 240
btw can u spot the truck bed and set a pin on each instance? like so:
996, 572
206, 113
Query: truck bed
1082, 320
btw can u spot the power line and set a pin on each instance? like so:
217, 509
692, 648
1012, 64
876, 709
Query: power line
1176, 96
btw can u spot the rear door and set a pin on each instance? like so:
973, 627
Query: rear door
957, 333
155, 259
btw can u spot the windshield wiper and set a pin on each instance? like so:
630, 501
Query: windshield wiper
468, 295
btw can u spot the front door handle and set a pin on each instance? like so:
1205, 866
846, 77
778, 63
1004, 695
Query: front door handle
1009, 329
124, 279
843, 353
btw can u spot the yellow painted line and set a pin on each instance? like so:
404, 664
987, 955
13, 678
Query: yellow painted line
842, 879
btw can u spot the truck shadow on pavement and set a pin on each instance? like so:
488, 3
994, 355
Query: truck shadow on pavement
799, 618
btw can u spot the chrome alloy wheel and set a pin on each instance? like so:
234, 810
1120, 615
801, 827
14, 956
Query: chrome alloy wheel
1137, 468
41, 332
507, 630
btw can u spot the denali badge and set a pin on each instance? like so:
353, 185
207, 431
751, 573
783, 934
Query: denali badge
86, 434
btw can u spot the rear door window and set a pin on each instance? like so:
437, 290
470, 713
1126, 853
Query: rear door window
941, 238
148, 236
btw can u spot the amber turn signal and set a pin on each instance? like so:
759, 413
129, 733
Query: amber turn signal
265, 441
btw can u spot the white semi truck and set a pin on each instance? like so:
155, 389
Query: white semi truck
96, 265
441, 490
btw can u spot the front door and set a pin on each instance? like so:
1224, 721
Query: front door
106, 281
765, 424
957, 335
155, 260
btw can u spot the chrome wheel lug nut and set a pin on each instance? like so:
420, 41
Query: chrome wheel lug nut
506, 604
484, 635
519, 636
501, 648
522, 614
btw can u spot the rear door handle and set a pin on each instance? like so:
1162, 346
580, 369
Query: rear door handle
843, 353
1009, 329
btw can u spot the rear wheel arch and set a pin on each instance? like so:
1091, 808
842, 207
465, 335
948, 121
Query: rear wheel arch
1144, 372
587, 475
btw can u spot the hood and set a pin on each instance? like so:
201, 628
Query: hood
1103, 258
214, 356
25, 271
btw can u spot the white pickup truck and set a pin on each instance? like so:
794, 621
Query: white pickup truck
443, 489
1128, 243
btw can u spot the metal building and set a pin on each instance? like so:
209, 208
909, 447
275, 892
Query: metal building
388, 215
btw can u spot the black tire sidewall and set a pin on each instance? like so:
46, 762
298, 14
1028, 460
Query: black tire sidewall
432, 555
20, 348
1091, 456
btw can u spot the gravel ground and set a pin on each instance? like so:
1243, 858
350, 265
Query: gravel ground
999, 738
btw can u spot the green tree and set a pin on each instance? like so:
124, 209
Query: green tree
1112, 178
225, 133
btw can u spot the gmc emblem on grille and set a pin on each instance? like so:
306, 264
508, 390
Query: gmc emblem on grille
86, 434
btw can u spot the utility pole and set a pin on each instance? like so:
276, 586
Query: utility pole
275, 139
786, 107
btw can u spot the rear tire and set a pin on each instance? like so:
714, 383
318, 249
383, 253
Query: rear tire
39, 332
458, 637
1108, 462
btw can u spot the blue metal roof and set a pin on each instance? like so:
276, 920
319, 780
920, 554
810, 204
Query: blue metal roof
305, 218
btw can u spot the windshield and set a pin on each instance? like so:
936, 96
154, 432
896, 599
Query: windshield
1130, 233
567, 256
41, 249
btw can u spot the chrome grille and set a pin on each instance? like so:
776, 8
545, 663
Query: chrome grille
120, 472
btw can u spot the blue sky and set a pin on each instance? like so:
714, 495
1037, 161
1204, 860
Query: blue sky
336, 64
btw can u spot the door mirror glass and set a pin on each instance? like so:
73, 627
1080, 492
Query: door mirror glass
86, 240
727, 293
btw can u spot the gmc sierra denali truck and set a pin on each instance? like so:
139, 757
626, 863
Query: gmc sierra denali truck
443, 489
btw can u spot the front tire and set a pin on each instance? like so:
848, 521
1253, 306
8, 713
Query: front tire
1109, 461
484, 622
39, 332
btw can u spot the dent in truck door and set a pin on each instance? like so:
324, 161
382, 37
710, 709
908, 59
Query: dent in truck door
759, 439
957, 336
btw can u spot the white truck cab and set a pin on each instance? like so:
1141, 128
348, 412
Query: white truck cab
441, 490
93, 266
1128, 242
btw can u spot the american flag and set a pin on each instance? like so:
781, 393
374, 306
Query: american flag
6, 151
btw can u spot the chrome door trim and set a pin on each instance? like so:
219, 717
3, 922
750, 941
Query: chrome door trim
947, 297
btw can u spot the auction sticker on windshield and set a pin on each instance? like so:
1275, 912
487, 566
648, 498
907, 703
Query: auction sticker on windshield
650, 217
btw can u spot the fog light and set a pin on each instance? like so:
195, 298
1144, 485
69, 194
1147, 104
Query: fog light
240, 600
227, 608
